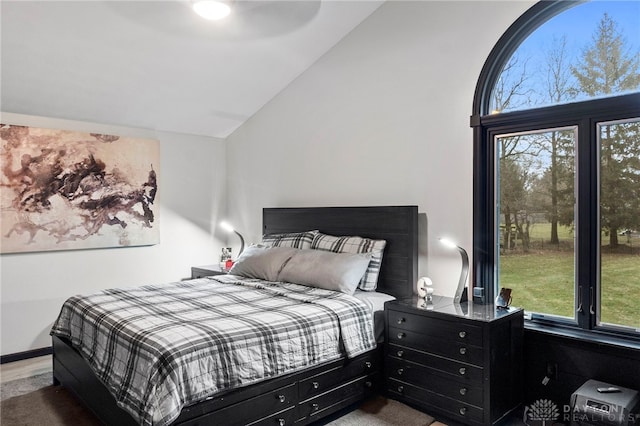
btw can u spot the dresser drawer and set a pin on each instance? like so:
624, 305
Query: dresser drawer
457, 410
465, 390
445, 366
322, 382
443, 347
458, 331
353, 390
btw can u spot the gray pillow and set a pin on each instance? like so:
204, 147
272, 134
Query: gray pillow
322, 269
355, 244
262, 262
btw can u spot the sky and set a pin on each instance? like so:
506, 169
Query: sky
579, 24
580, 20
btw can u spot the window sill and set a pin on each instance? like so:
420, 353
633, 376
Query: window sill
593, 337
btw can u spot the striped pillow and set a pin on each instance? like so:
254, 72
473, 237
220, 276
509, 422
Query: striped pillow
300, 240
354, 244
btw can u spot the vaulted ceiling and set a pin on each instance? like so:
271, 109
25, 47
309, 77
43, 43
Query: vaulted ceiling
156, 64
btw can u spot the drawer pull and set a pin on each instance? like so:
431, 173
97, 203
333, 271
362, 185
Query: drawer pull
463, 410
401, 335
315, 407
400, 371
400, 354
281, 398
462, 371
368, 384
282, 422
315, 385
463, 391
462, 334
401, 320
463, 351
368, 364
400, 389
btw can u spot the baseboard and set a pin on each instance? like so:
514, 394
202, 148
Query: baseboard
18, 356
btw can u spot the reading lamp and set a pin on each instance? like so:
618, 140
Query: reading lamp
461, 291
227, 227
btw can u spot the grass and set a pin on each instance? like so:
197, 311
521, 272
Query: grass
543, 280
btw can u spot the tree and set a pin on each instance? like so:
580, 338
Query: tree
620, 178
517, 154
511, 91
607, 68
559, 144
512, 195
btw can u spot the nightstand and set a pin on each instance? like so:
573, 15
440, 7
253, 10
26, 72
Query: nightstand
207, 271
460, 360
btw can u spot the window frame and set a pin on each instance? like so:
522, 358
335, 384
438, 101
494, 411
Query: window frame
585, 115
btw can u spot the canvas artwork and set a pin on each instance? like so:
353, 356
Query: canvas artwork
66, 190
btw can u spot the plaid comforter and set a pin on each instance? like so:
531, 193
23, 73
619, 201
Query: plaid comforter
159, 348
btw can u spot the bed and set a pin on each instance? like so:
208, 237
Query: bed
303, 394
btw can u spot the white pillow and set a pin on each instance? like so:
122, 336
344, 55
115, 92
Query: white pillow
322, 269
262, 262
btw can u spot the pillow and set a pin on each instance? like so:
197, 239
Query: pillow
262, 262
354, 244
322, 269
300, 240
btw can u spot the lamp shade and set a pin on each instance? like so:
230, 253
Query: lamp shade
227, 227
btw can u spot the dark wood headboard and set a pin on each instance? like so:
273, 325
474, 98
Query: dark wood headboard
398, 225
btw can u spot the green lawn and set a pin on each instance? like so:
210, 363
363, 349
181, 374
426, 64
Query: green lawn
542, 231
543, 282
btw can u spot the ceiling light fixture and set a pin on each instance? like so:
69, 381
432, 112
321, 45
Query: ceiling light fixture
211, 9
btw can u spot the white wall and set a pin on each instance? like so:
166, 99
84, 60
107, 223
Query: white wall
381, 119
192, 200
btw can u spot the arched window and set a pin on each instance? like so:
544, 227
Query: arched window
556, 121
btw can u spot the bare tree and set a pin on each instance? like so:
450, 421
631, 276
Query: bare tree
559, 144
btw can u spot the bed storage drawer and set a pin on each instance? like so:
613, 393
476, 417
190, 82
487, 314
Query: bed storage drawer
326, 380
252, 409
343, 396
283, 418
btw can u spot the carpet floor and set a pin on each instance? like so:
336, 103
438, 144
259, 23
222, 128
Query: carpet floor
21, 386
55, 406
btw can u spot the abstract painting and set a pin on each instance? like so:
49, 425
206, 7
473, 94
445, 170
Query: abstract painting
66, 190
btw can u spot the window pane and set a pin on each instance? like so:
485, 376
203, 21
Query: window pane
586, 52
535, 211
620, 223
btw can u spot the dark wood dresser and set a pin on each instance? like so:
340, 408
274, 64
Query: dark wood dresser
462, 361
